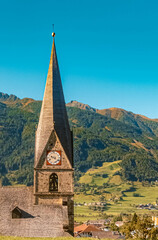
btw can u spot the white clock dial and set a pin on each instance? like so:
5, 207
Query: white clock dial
53, 157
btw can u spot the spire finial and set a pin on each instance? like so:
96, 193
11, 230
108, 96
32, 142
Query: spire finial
53, 33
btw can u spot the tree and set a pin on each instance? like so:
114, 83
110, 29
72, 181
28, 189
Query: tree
5, 181
134, 219
143, 228
113, 227
140, 228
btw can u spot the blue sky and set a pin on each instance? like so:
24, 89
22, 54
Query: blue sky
107, 51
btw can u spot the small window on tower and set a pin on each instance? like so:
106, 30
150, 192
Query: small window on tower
64, 203
53, 182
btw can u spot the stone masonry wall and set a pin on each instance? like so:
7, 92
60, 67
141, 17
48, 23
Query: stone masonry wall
64, 181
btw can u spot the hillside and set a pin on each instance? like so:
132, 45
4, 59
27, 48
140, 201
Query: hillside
99, 136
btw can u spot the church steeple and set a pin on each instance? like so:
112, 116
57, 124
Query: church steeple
53, 116
53, 170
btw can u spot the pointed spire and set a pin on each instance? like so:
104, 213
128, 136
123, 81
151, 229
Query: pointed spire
53, 114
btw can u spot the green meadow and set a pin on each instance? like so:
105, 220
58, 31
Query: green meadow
120, 196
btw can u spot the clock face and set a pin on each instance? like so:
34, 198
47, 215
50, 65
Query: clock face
54, 158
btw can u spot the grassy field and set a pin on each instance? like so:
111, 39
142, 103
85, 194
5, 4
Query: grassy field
57, 238
131, 194
108, 168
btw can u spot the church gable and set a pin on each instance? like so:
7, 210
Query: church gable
54, 155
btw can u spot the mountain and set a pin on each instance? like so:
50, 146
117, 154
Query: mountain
100, 136
5, 97
116, 113
80, 105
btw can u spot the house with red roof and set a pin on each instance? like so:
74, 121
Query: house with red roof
86, 230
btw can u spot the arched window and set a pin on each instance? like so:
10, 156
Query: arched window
53, 182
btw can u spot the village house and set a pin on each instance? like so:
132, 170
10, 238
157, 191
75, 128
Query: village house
119, 223
87, 230
100, 223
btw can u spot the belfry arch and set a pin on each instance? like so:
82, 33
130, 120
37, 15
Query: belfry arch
53, 183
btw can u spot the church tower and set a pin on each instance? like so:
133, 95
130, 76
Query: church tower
53, 167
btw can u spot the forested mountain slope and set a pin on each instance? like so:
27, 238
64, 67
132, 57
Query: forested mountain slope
99, 136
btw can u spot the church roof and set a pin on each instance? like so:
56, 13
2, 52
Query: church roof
53, 116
